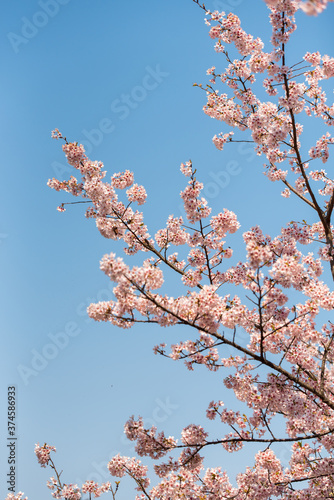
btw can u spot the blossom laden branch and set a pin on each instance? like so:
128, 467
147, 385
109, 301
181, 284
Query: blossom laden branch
282, 351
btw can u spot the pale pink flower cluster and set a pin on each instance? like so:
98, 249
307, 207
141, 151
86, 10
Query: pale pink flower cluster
286, 193
173, 259
93, 487
195, 207
230, 31
55, 134
283, 21
224, 109
313, 7
174, 233
69, 492
119, 466
220, 140
225, 222
194, 435
114, 219
43, 453
186, 169
192, 278
282, 5
326, 253
313, 58
17, 496
259, 62
269, 128
211, 70
75, 154
321, 149
52, 483
238, 68
183, 484
328, 66
71, 186
122, 180
196, 257
113, 266
276, 174
148, 275
137, 193
294, 101
149, 443
263, 481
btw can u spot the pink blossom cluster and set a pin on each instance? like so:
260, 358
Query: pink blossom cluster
73, 492
114, 219
310, 7
119, 466
229, 31
55, 134
137, 193
220, 140
183, 484
149, 443
186, 168
194, 435
74, 153
93, 487
71, 186
321, 149
17, 496
43, 453
122, 180
68, 492
173, 234
314, 7
195, 206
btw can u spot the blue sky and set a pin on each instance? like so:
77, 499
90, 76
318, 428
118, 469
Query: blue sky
117, 77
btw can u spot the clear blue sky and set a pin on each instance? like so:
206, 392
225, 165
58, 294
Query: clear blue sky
117, 76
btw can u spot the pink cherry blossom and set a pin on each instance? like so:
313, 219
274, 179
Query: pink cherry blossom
18, 496
43, 453
137, 193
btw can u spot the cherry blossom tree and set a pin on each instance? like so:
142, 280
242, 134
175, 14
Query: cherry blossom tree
285, 367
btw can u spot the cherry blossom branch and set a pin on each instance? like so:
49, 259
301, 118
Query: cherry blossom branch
286, 342
238, 347
298, 194
324, 218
